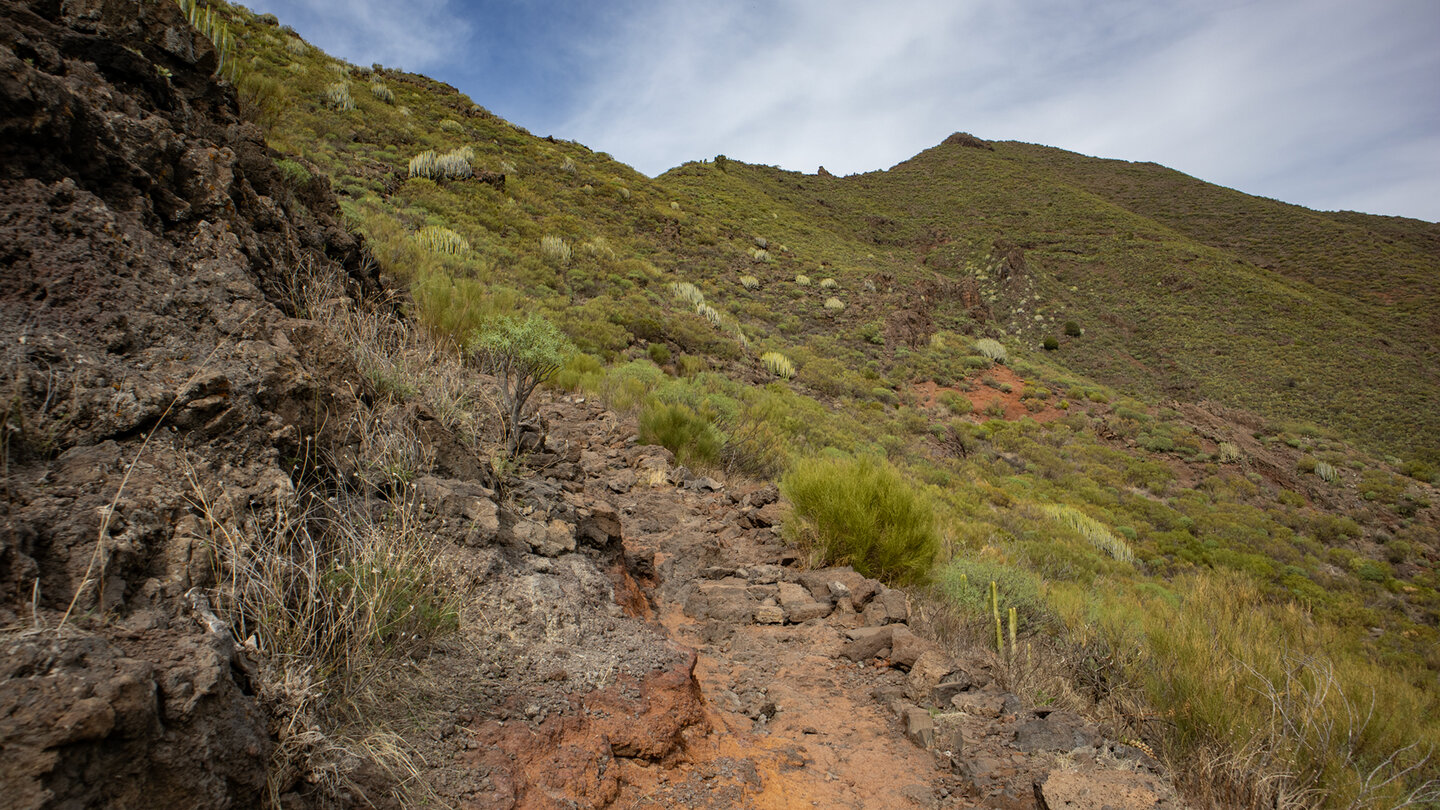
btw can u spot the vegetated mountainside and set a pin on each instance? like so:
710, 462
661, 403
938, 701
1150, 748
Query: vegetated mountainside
1181, 288
1173, 557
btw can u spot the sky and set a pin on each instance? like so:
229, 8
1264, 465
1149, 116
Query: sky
1330, 104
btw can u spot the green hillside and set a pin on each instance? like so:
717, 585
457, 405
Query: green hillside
1190, 434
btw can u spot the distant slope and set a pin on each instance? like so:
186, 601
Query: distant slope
1182, 288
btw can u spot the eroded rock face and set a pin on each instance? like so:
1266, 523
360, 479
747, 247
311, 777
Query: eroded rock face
147, 245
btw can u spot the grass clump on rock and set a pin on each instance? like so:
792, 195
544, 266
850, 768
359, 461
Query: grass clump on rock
862, 512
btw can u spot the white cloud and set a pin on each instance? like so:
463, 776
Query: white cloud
1305, 101
416, 35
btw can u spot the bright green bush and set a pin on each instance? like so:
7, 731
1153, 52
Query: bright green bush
683, 431
864, 513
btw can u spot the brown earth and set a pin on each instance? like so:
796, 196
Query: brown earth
981, 396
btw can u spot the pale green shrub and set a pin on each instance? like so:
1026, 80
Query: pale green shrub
688, 293
834, 304
1327, 472
555, 249
991, 349
296, 46
1091, 529
453, 165
750, 282
337, 96
380, 91
760, 255
437, 239
828, 284
802, 280
778, 364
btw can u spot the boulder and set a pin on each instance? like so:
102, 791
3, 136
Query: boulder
798, 604
769, 614
598, 525
866, 642
548, 541
925, 674
919, 727
725, 600
1056, 731
906, 647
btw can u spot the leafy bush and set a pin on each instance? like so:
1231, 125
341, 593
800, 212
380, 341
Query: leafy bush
1050, 344
659, 353
862, 512
681, 430
1072, 329
295, 174
966, 584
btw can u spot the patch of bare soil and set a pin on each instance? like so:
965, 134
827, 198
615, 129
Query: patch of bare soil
982, 396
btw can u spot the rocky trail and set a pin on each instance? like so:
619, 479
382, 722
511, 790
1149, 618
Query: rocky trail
723, 674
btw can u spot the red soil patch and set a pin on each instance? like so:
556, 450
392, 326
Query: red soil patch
983, 396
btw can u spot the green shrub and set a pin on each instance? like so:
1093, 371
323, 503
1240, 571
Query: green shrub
659, 353
966, 584
1050, 344
381, 92
834, 304
523, 354
864, 513
1072, 329
958, 405
681, 430
689, 365
295, 174
578, 369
